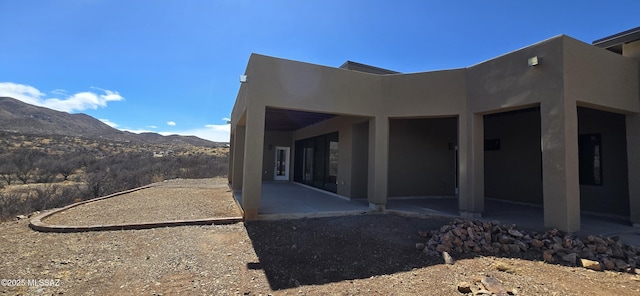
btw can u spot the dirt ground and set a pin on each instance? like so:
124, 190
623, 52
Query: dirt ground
353, 255
179, 199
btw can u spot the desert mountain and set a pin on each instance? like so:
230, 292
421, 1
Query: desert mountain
19, 117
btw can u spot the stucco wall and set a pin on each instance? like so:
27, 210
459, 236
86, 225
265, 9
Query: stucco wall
600, 77
424, 94
295, 85
633, 158
631, 50
613, 196
359, 160
514, 172
239, 108
238, 157
508, 82
421, 162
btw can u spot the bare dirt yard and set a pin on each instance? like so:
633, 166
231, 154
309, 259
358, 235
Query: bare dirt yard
354, 255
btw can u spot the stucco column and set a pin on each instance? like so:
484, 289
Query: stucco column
560, 180
471, 161
238, 158
378, 162
252, 169
633, 158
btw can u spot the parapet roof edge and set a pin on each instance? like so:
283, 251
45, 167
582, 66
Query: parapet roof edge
368, 66
419, 72
521, 48
618, 38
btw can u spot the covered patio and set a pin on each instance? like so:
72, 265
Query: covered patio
560, 138
291, 200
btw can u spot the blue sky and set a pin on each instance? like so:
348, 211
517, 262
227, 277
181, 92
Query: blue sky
172, 66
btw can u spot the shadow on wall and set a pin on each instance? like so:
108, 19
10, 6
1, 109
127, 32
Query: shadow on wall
325, 250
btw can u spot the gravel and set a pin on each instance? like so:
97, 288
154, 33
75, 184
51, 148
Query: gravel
180, 199
352, 255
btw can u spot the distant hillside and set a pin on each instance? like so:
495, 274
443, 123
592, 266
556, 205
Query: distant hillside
19, 117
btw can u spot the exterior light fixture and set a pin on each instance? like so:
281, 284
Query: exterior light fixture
534, 61
243, 78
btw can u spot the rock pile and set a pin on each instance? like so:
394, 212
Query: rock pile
593, 252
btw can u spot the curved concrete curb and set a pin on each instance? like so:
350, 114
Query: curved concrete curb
37, 224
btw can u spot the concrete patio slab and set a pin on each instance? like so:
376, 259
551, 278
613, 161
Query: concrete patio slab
288, 198
281, 200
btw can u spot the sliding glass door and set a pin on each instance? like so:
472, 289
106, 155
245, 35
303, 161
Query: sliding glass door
316, 161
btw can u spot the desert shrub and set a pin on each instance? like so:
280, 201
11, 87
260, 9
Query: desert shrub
66, 195
25, 163
192, 167
51, 196
43, 197
96, 184
96, 172
11, 204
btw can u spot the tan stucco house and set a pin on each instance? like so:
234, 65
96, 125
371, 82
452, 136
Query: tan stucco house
555, 124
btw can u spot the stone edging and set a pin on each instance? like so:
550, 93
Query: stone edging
37, 224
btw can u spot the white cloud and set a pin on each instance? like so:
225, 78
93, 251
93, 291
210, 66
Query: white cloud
25, 93
171, 123
226, 119
68, 103
152, 126
109, 122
